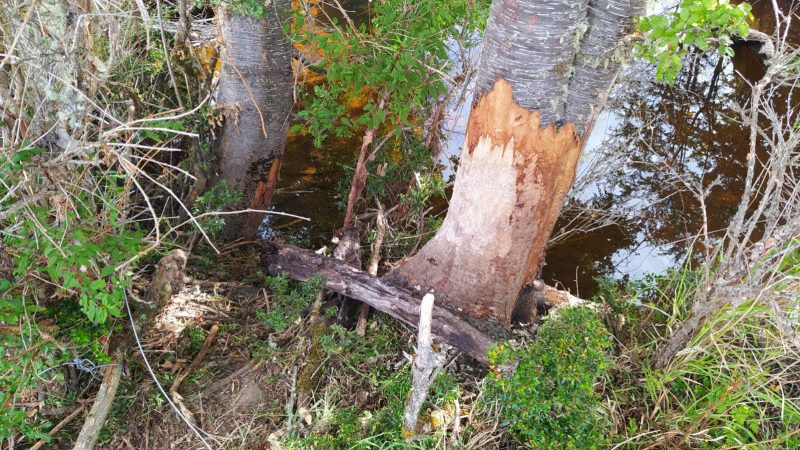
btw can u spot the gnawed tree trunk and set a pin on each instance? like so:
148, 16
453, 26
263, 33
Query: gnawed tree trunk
546, 69
510, 183
255, 92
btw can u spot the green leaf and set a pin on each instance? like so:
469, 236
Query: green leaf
26, 155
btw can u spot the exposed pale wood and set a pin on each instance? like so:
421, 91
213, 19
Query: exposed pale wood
349, 251
401, 303
102, 406
372, 267
427, 364
509, 189
292, 400
361, 325
555, 298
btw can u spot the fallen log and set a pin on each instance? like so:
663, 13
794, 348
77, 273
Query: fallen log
401, 303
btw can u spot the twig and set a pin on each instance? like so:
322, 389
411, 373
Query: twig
197, 359
372, 267
149, 368
291, 401
167, 57
12, 48
173, 390
360, 175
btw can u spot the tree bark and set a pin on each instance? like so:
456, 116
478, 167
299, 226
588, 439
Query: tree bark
255, 92
597, 64
511, 181
542, 69
400, 303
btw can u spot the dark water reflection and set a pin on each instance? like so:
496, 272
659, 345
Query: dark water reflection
690, 131
650, 136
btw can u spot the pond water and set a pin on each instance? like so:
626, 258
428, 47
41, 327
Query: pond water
652, 143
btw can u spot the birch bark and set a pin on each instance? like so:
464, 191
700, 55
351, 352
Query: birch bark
255, 92
545, 71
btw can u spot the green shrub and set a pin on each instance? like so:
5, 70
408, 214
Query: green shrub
25, 353
700, 24
549, 401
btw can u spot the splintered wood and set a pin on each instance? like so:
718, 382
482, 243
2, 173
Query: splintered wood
426, 365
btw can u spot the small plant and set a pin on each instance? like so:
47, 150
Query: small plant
427, 188
549, 402
250, 8
391, 60
215, 199
351, 427
288, 301
81, 262
195, 336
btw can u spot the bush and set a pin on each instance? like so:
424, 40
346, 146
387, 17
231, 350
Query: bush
549, 401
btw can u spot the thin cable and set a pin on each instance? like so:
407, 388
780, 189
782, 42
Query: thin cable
84, 365
198, 432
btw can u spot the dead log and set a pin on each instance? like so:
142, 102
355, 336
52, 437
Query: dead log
400, 303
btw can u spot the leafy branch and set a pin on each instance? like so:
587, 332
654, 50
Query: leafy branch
701, 24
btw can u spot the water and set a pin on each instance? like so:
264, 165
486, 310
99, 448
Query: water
650, 137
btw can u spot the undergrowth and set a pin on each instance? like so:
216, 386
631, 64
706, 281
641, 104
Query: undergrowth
734, 386
288, 300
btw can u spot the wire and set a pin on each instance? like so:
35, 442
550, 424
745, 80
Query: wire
192, 426
82, 364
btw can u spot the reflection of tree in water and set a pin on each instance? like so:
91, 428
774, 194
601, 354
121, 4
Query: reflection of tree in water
688, 133
670, 138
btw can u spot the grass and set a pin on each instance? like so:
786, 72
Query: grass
734, 386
